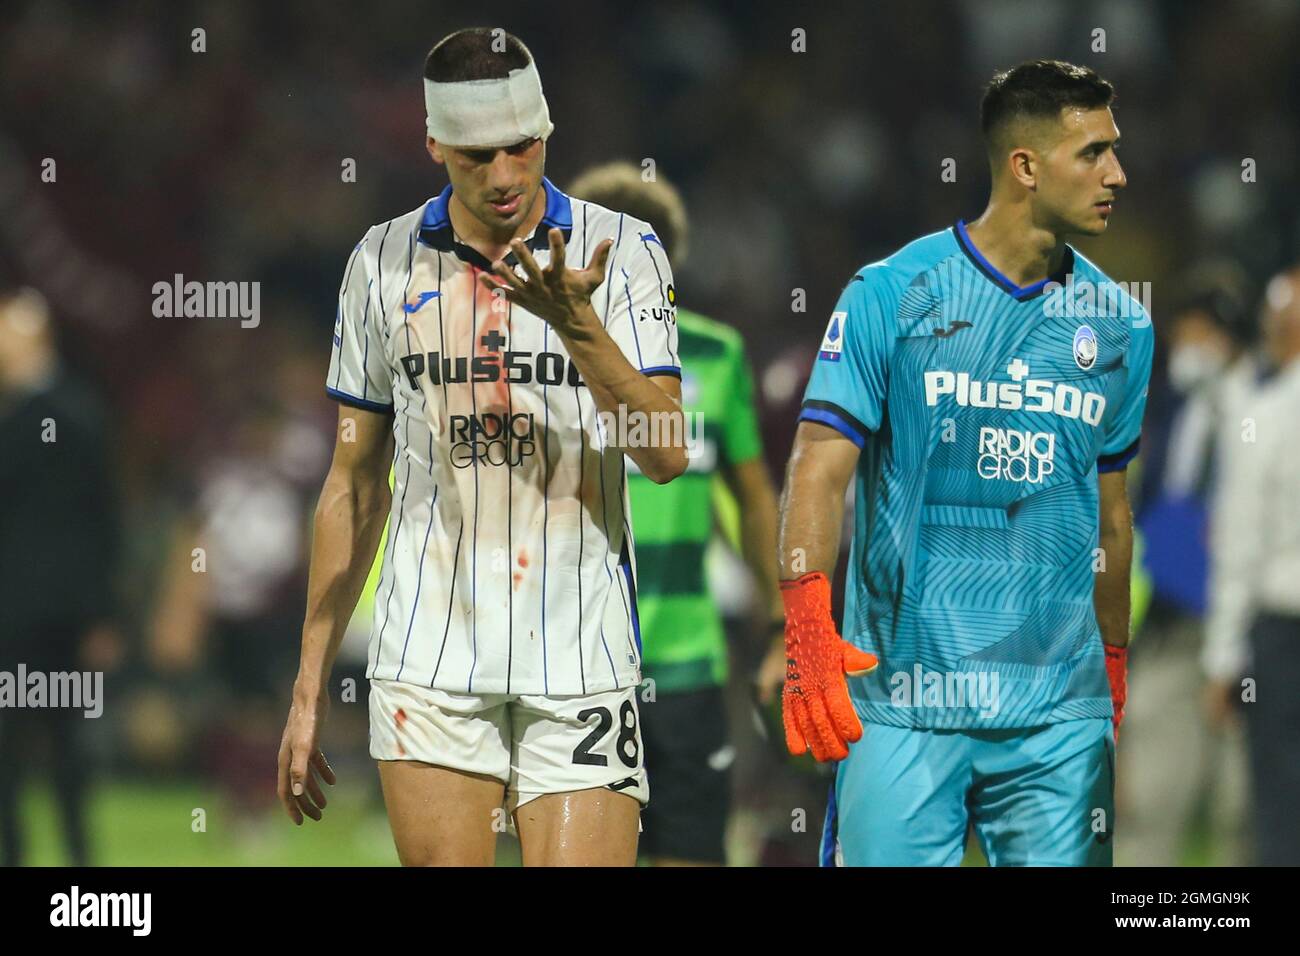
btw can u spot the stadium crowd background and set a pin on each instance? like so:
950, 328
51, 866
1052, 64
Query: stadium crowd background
797, 168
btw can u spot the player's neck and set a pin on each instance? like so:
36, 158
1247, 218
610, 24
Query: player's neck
1007, 237
492, 245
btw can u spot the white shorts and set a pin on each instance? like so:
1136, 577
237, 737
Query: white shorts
534, 744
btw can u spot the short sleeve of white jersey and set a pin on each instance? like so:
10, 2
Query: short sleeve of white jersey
642, 305
359, 372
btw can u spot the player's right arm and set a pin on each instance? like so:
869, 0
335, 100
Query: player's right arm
350, 517
815, 704
843, 406
349, 521
812, 503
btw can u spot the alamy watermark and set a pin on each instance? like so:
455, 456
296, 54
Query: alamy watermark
626, 428
208, 300
1082, 298
75, 908
948, 689
78, 690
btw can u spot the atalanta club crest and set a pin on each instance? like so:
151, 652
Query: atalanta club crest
1085, 348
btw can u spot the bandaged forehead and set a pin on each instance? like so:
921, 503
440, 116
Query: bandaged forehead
488, 113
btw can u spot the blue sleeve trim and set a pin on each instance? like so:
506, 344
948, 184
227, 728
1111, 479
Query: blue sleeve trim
826, 413
355, 402
673, 370
1118, 461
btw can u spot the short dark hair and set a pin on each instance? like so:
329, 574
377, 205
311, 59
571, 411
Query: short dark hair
621, 187
473, 54
1220, 290
1040, 89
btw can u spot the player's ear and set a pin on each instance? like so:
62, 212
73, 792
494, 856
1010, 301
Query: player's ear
1023, 163
435, 151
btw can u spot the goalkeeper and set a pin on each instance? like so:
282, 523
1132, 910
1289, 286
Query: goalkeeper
987, 425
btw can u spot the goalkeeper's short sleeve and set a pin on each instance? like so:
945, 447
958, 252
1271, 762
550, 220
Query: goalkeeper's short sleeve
850, 374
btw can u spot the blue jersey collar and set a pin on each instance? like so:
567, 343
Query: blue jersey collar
1020, 293
436, 231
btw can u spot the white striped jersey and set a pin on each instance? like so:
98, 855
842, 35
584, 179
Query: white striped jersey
509, 565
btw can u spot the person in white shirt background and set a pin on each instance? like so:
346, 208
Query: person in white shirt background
1179, 769
1252, 646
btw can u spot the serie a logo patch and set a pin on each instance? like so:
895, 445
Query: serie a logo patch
833, 340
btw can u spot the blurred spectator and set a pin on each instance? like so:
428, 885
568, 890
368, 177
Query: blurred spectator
1183, 771
1254, 625
58, 546
233, 600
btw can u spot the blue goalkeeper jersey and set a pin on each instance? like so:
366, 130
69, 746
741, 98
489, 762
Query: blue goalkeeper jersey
984, 412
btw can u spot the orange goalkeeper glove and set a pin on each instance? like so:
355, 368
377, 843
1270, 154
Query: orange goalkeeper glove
1117, 674
815, 705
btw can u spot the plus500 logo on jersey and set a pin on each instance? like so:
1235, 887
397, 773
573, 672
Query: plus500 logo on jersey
517, 368
491, 439
1035, 395
1016, 456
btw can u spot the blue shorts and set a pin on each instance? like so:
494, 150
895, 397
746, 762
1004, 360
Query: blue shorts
1041, 796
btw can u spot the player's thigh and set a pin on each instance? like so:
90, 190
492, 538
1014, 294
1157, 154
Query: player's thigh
688, 751
596, 827
899, 799
1046, 796
577, 778
441, 817
444, 760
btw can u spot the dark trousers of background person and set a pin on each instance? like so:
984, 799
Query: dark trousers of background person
57, 732
1273, 722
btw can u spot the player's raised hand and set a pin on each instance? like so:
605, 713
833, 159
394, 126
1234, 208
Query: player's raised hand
300, 754
556, 293
815, 707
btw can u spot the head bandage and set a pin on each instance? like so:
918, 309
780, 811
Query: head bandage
488, 113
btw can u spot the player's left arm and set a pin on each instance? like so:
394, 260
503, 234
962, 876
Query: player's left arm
1112, 583
1112, 578
562, 297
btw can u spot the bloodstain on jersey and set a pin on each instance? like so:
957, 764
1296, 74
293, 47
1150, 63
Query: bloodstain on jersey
399, 716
